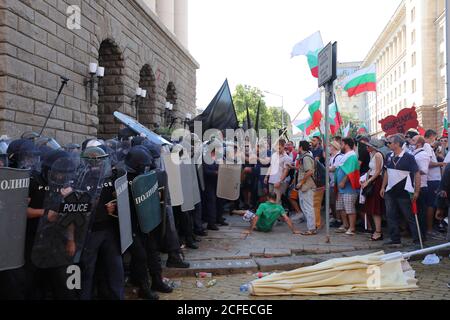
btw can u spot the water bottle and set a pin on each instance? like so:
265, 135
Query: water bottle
244, 288
211, 283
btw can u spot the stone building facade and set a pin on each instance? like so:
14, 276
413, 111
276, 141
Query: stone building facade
129, 38
410, 59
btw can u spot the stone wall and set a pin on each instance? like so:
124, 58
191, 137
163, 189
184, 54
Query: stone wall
125, 37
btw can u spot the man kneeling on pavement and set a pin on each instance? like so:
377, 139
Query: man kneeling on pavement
267, 214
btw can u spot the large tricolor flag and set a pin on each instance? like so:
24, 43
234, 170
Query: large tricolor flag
306, 126
350, 167
313, 103
310, 47
361, 81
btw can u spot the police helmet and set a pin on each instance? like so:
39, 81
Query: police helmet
138, 160
47, 142
30, 135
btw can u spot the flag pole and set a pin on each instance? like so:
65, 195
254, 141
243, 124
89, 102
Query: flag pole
298, 114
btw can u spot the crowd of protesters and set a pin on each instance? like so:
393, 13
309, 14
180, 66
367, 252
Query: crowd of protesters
375, 184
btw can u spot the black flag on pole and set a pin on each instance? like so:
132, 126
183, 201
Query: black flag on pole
220, 114
257, 116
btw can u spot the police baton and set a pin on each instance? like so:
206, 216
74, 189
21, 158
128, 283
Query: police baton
64, 82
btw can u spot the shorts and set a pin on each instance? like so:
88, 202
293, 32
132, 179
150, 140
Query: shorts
430, 197
248, 216
346, 202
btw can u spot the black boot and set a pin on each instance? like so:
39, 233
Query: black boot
146, 293
159, 285
175, 260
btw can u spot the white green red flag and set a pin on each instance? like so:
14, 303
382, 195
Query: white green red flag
306, 126
310, 47
346, 131
363, 80
363, 129
313, 103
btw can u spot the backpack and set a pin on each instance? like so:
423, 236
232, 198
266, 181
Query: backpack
319, 176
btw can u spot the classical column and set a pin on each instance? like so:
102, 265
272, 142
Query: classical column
181, 21
165, 11
151, 4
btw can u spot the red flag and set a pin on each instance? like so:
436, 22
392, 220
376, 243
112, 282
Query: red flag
414, 207
421, 131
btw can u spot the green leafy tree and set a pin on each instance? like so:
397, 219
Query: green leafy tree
270, 117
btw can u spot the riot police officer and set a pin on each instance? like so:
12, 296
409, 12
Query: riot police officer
169, 236
102, 246
143, 257
39, 280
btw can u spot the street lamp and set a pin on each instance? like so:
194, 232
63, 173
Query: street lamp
282, 105
94, 71
141, 94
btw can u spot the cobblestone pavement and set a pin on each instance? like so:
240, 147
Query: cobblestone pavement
224, 252
432, 282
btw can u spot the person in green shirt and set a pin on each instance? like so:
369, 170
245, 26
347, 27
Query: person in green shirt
267, 214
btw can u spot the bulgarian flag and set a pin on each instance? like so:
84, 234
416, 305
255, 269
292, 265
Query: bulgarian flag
310, 47
306, 126
346, 131
361, 81
314, 108
335, 118
363, 129
350, 167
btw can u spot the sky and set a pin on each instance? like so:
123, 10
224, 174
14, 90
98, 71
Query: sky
250, 41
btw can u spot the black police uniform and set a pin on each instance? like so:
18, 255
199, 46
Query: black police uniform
40, 281
102, 249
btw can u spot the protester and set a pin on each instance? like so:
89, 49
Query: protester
371, 187
318, 154
277, 176
317, 149
347, 179
335, 162
433, 181
266, 216
423, 162
402, 170
306, 186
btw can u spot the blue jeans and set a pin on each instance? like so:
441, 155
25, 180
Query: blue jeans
395, 207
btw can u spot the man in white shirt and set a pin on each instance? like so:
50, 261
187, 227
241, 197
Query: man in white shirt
423, 162
335, 162
433, 181
280, 163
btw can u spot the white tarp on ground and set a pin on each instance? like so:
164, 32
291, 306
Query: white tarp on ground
340, 276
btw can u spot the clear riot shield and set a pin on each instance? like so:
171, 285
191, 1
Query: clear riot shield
14, 186
123, 209
73, 190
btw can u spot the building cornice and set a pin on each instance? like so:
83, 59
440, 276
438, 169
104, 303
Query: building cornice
140, 5
380, 43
